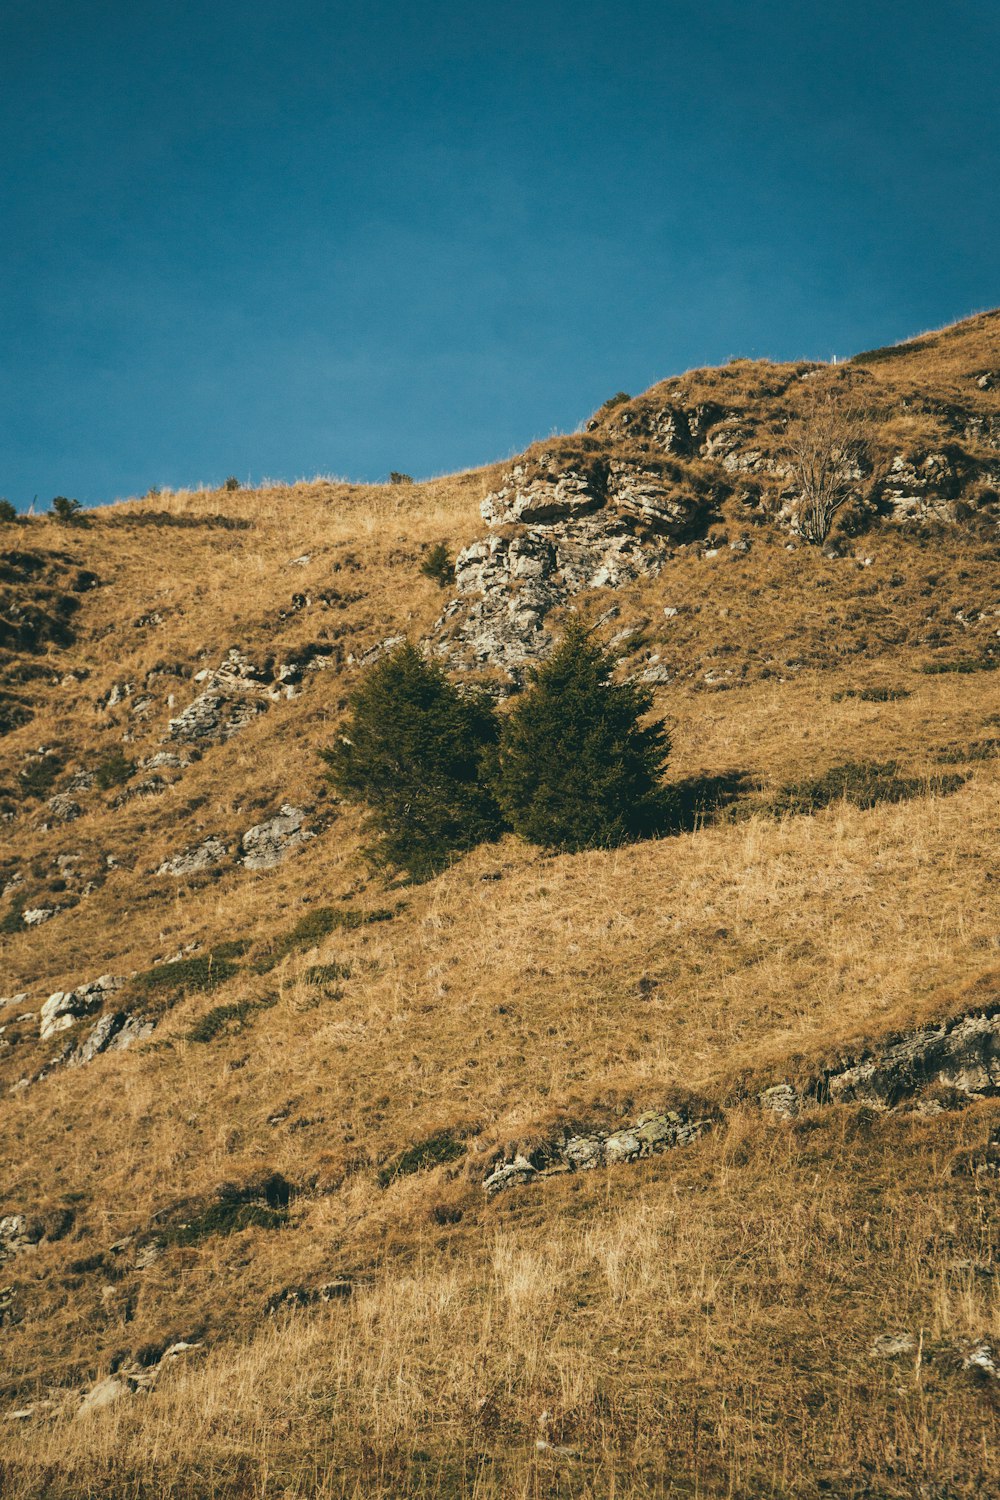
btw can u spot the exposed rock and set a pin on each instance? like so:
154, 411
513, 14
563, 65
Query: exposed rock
62, 808
981, 1360
113, 1032
267, 844
892, 1345
782, 1100
16, 1235
652, 1133
232, 696
652, 498
105, 1393
374, 653
963, 1055
164, 760
34, 916
66, 1006
554, 493
212, 851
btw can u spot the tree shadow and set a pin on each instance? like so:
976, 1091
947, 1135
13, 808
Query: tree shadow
699, 801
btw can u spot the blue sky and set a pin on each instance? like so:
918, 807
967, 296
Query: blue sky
275, 240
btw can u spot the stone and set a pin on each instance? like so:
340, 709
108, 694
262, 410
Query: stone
547, 493
782, 1100
115, 1031
981, 1360
892, 1345
267, 844
15, 1236
62, 809
509, 1174
963, 1054
375, 653
102, 1395
34, 916
644, 495
65, 1007
212, 851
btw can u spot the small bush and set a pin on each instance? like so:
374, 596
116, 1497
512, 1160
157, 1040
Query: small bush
7, 513
167, 982
862, 783
114, 770
873, 694
438, 565
232, 484
67, 511
313, 928
227, 1018
38, 777
440, 1148
395, 477
258, 1205
957, 755
964, 665
618, 399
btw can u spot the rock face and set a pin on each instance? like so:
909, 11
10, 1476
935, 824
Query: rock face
212, 851
229, 700
113, 1032
582, 1152
65, 1007
267, 844
559, 525
963, 1055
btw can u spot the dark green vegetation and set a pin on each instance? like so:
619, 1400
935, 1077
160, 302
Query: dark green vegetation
863, 783
434, 1152
165, 983
437, 564
416, 752
222, 1020
113, 771
255, 1205
7, 513
576, 768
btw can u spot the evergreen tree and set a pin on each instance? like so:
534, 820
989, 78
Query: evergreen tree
575, 769
414, 751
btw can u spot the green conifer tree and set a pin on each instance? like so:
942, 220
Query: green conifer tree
414, 751
576, 769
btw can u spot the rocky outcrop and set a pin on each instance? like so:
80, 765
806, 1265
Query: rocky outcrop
558, 526
65, 1007
113, 1032
583, 1151
963, 1055
211, 851
267, 844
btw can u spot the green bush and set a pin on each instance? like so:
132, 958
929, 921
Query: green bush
312, 929
114, 770
862, 783
438, 565
440, 1148
7, 513
232, 484
167, 982
67, 511
39, 775
395, 477
576, 769
227, 1018
415, 751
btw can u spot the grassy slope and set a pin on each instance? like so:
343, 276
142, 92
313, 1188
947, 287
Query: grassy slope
702, 1321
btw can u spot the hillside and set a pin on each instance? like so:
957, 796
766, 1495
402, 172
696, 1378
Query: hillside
664, 1170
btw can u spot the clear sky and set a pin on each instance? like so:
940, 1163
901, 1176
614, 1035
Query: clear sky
279, 239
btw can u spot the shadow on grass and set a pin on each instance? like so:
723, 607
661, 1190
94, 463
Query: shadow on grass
698, 801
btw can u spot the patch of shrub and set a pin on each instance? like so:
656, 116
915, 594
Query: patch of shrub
114, 770
438, 565
167, 982
957, 755
862, 783
416, 751
618, 399
327, 973
232, 484
67, 511
963, 665
873, 694
7, 513
255, 1205
312, 928
433, 1152
227, 1018
395, 477
38, 776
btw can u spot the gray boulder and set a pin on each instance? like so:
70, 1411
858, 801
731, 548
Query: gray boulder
65, 1007
267, 844
212, 851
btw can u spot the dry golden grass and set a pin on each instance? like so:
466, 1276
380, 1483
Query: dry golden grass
697, 1324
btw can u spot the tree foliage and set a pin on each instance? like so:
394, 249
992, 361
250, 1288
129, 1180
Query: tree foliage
415, 751
576, 769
